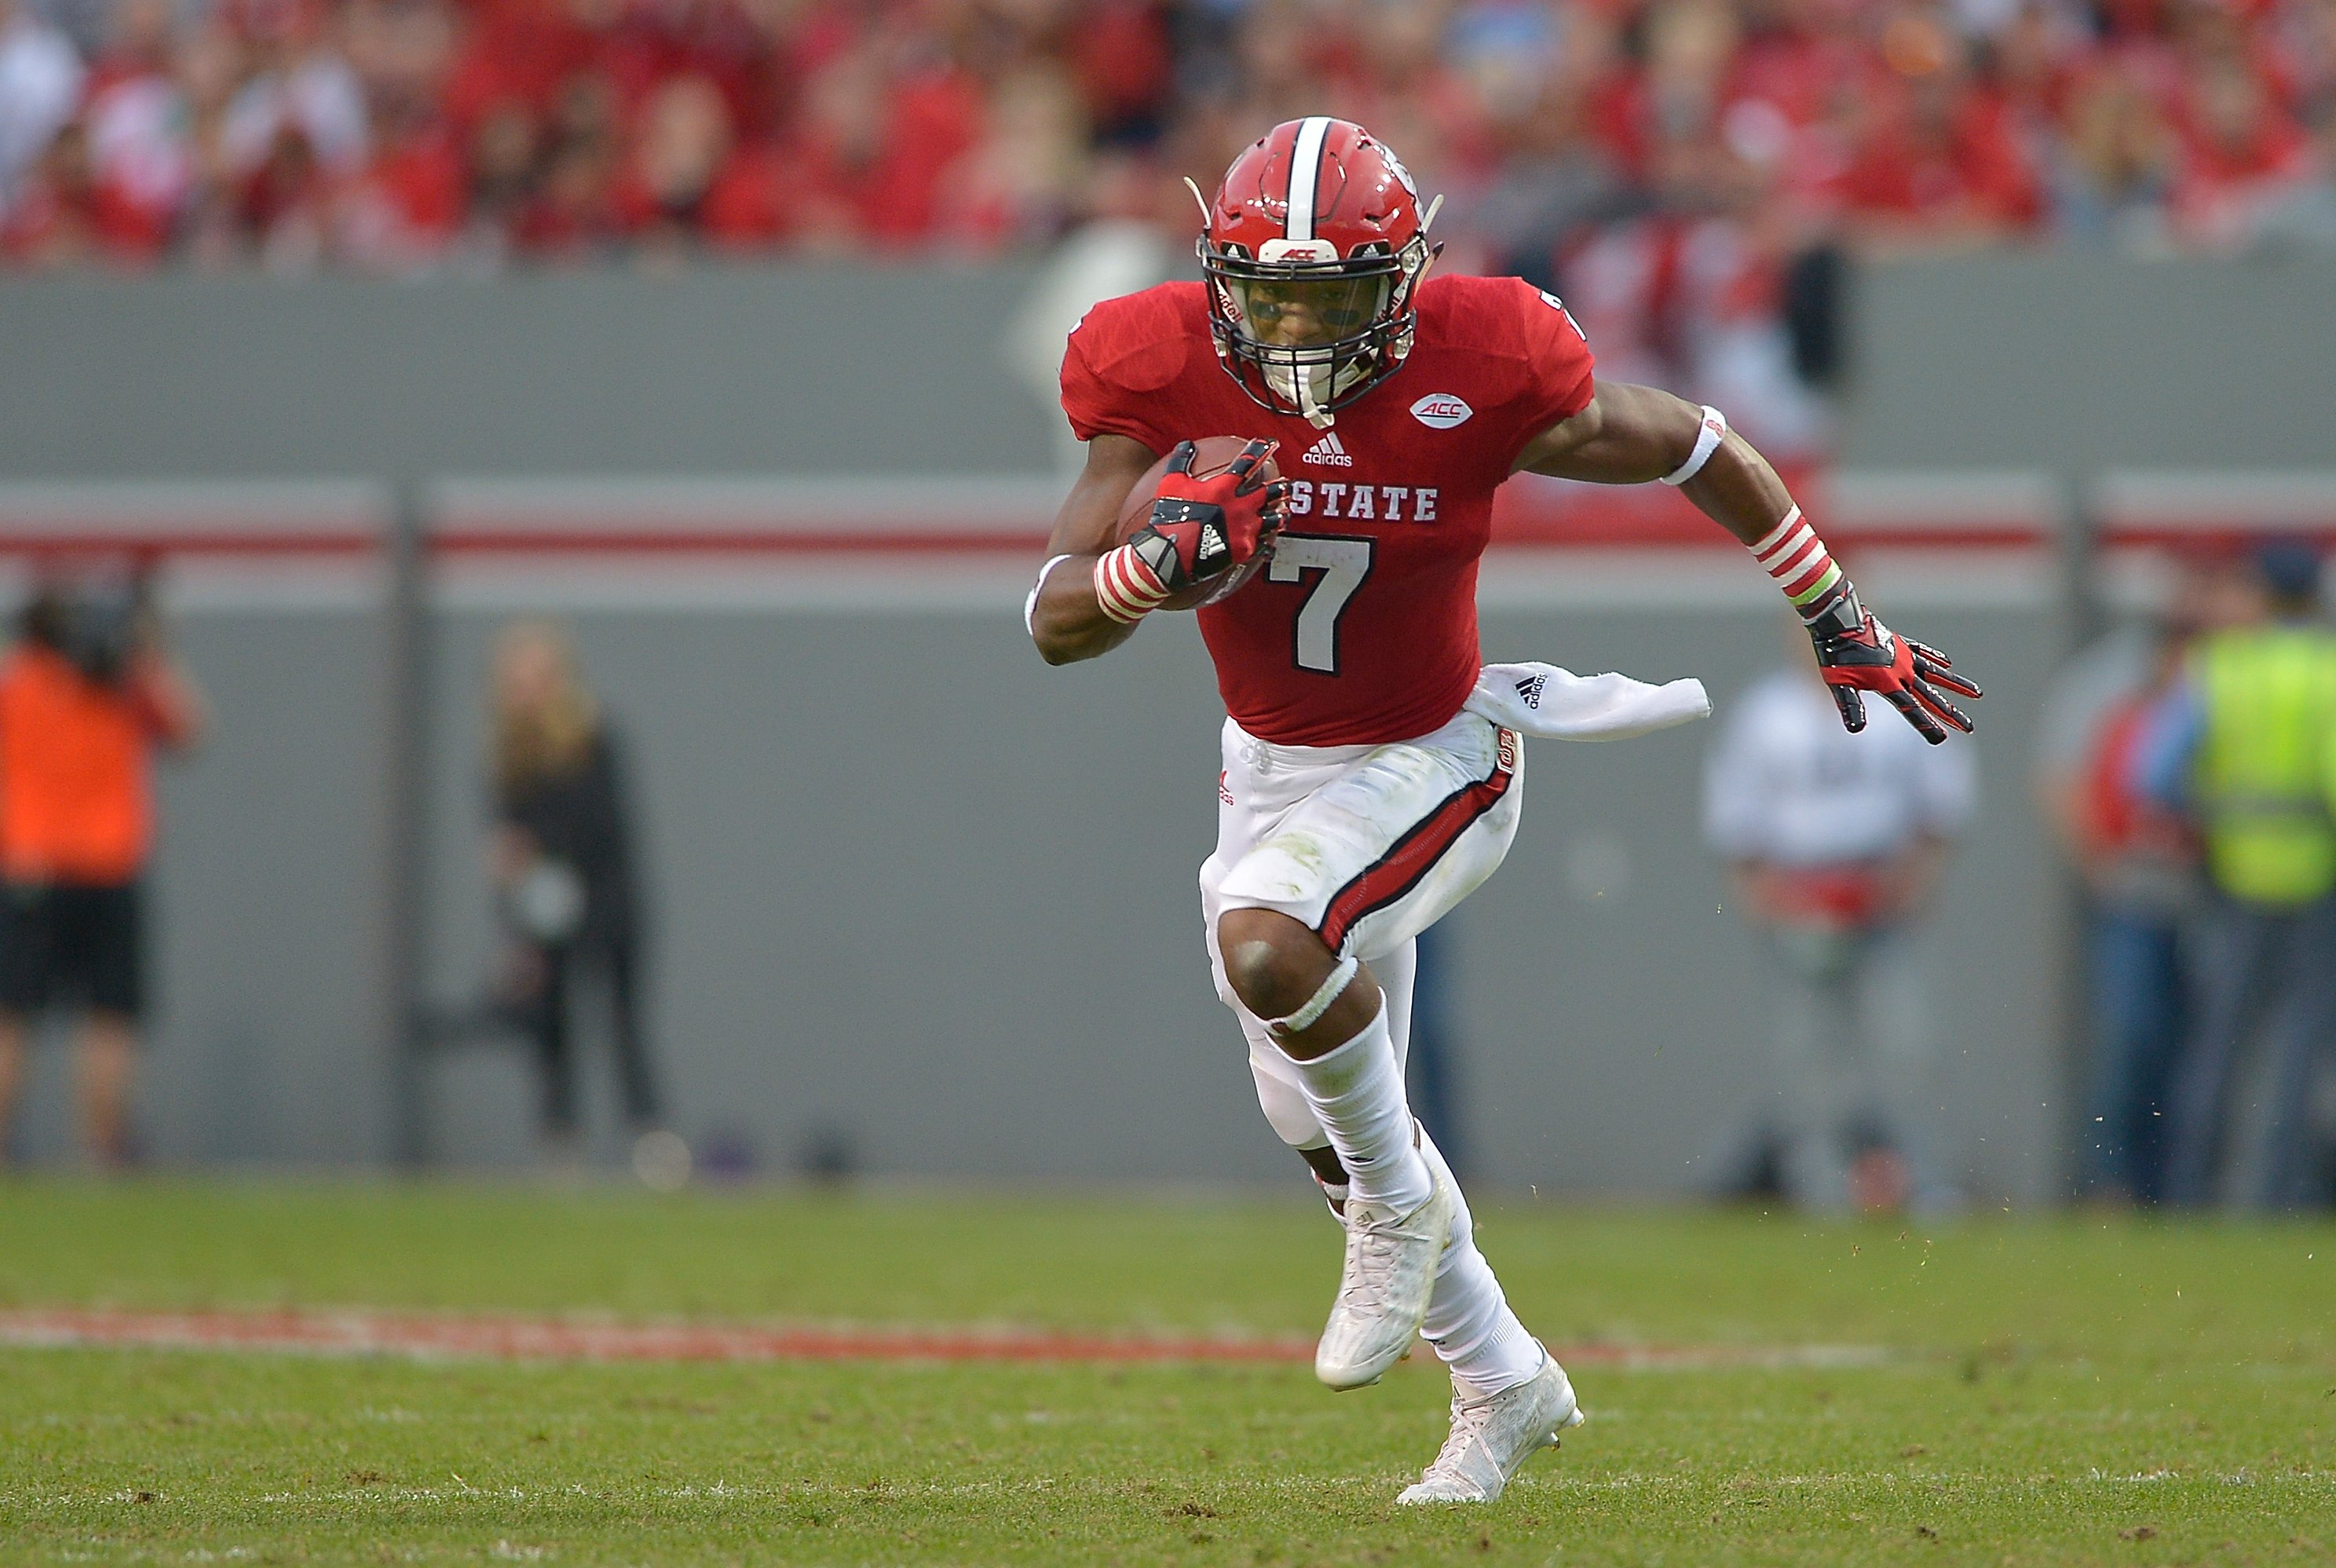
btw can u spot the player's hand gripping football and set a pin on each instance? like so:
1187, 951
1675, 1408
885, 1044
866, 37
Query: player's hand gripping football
1869, 656
1199, 529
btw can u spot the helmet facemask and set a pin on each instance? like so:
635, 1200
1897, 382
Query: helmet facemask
1308, 336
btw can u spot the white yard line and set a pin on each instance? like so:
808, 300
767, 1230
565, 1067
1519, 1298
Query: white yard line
500, 1337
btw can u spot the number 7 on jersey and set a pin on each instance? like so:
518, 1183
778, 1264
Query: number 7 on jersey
1344, 563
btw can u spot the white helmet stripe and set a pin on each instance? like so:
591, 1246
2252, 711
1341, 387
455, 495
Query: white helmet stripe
1305, 172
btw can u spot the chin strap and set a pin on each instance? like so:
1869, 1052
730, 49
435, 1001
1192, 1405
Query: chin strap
1296, 383
1319, 417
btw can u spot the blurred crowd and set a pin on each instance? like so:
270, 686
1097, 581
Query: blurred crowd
1597, 137
1689, 173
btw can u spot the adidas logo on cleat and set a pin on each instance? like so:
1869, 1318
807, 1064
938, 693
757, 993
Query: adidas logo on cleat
1328, 454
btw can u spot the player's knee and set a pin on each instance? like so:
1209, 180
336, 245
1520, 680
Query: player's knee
1273, 962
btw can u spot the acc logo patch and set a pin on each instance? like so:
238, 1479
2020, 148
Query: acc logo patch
1441, 411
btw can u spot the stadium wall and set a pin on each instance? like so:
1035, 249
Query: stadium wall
751, 370
2060, 362
2072, 362
874, 819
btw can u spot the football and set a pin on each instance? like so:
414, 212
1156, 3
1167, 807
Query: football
1213, 456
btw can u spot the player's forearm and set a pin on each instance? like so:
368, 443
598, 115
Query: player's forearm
1737, 489
1734, 485
1639, 434
1730, 483
1066, 620
1065, 612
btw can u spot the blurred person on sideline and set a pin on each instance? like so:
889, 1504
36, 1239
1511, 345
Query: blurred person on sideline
1835, 843
41, 78
2246, 742
2138, 865
564, 874
1121, 247
87, 695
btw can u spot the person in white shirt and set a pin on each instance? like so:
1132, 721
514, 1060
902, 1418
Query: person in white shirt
40, 83
1835, 843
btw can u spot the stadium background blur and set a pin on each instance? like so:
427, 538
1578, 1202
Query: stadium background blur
720, 330
396, 134
1687, 166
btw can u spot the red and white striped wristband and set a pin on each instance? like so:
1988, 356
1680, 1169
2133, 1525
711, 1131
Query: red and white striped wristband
1126, 588
1796, 559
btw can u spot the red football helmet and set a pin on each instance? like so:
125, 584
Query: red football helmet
1313, 247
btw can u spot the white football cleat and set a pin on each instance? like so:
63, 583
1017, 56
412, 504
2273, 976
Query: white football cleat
1383, 1289
1490, 1437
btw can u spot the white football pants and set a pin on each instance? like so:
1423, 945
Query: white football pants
1369, 846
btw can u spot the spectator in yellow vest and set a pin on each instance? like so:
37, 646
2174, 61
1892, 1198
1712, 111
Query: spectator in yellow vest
2246, 742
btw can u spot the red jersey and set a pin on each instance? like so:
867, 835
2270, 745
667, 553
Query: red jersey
1363, 628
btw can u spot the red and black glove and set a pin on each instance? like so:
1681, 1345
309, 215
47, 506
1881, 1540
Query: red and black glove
1857, 653
1199, 529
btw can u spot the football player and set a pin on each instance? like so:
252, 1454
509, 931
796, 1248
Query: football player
1360, 799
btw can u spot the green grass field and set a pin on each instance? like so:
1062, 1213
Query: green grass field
2050, 1392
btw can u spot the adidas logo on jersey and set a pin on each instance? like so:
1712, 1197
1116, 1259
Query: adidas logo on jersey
1328, 454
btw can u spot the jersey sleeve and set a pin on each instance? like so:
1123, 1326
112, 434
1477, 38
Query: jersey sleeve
1114, 371
1554, 376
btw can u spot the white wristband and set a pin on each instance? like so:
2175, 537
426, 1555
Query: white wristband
1707, 442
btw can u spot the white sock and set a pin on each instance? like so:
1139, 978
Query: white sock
1357, 1094
1469, 1321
